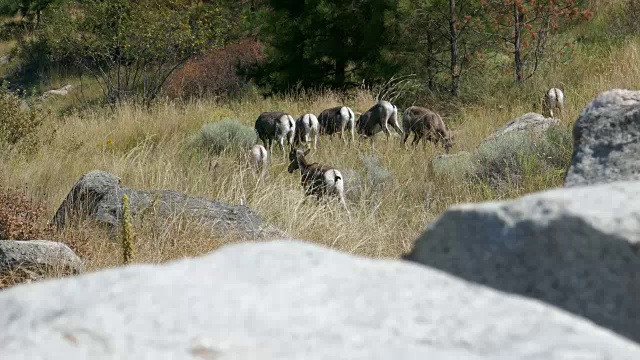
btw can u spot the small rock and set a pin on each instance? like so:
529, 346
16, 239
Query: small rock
37, 258
532, 123
63, 91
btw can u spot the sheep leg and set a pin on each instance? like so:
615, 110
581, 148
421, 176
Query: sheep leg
281, 142
416, 139
386, 131
405, 138
353, 135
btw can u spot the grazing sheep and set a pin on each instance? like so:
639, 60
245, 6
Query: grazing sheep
426, 124
317, 180
338, 119
552, 100
275, 125
378, 119
307, 125
259, 160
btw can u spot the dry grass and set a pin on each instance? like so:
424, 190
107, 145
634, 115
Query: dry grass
148, 148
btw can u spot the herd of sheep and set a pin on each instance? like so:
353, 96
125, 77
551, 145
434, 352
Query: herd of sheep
320, 180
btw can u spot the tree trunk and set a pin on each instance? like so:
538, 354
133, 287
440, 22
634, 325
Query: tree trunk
453, 43
340, 72
429, 63
517, 36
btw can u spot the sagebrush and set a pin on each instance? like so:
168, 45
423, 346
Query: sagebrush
225, 135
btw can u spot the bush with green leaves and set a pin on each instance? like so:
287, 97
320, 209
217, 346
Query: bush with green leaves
19, 123
131, 47
507, 158
224, 136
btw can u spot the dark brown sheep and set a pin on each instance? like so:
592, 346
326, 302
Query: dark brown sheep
317, 180
425, 124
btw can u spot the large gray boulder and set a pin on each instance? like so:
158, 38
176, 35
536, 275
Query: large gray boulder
31, 260
98, 196
289, 300
607, 140
530, 123
576, 248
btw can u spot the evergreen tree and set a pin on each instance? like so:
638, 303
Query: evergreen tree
336, 43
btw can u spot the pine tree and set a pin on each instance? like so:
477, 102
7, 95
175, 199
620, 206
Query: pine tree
334, 43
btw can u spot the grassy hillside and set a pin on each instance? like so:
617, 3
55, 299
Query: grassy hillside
150, 148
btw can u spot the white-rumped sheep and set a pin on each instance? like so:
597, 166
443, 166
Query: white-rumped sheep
259, 160
425, 124
316, 179
552, 100
275, 125
337, 120
377, 119
307, 126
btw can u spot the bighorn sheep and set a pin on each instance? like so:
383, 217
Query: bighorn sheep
552, 100
307, 125
426, 124
378, 119
317, 180
275, 125
259, 160
338, 119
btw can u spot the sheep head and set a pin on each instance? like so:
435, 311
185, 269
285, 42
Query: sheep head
296, 156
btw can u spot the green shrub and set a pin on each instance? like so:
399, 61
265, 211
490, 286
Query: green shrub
223, 136
510, 157
367, 185
20, 123
452, 165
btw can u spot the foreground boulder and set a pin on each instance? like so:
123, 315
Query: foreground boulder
530, 123
575, 248
31, 260
607, 140
289, 300
98, 196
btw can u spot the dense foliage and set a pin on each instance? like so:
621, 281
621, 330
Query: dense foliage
322, 42
131, 47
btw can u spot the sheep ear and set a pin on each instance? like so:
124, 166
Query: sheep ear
306, 152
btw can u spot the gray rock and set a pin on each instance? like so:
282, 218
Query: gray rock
532, 123
98, 196
288, 300
607, 140
575, 248
38, 258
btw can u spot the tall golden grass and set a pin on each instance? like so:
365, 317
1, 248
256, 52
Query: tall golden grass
149, 149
